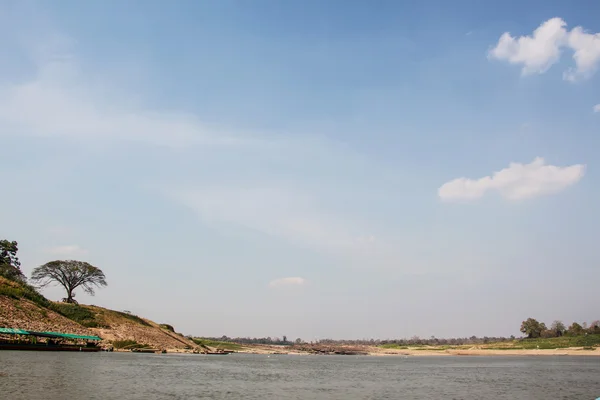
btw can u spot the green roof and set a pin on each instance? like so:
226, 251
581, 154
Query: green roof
14, 331
47, 334
72, 336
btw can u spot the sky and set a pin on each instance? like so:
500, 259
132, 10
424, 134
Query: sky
314, 169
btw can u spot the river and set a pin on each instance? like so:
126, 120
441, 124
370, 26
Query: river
125, 376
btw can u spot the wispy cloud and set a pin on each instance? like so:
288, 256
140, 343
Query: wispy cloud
60, 101
597, 108
277, 210
286, 282
291, 216
517, 182
71, 250
538, 52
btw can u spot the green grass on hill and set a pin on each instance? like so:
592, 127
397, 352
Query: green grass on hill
77, 313
168, 327
217, 344
22, 291
132, 317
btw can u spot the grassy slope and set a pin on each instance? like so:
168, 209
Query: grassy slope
23, 307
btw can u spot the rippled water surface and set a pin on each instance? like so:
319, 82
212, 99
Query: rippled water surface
123, 376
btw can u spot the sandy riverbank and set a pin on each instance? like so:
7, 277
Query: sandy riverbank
414, 352
487, 352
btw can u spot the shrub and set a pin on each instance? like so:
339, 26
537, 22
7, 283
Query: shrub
133, 317
77, 313
547, 333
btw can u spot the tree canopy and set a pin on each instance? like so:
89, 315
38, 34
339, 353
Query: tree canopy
10, 267
575, 329
532, 328
70, 274
558, 328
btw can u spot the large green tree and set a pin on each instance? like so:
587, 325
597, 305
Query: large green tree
70, 275
10, 267
532, 328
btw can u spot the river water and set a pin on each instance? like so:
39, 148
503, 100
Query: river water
124, 376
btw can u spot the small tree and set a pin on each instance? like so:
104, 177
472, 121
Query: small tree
10, 267
70, 275
532, 328
558, 328
594, 327
575, 329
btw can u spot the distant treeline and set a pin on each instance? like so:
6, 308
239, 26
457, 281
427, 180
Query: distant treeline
535, 329
247, 340
531, 328
415, 340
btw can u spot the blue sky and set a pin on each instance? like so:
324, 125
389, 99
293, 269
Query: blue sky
312, 169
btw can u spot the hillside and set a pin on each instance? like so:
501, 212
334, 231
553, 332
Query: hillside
22, 307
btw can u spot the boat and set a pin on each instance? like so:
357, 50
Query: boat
21, 339
148, 350
218, 352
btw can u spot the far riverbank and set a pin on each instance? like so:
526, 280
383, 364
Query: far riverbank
418, 351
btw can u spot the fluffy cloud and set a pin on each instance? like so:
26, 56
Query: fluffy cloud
517, 182
597, 108
291, 281
70, 250
538, 52
587, 53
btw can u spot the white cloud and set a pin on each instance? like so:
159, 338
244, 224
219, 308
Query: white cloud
597, 108
286, 214
538, 52
276, 210
587, 53
517, 182
60, 101
71, 250
291, 281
